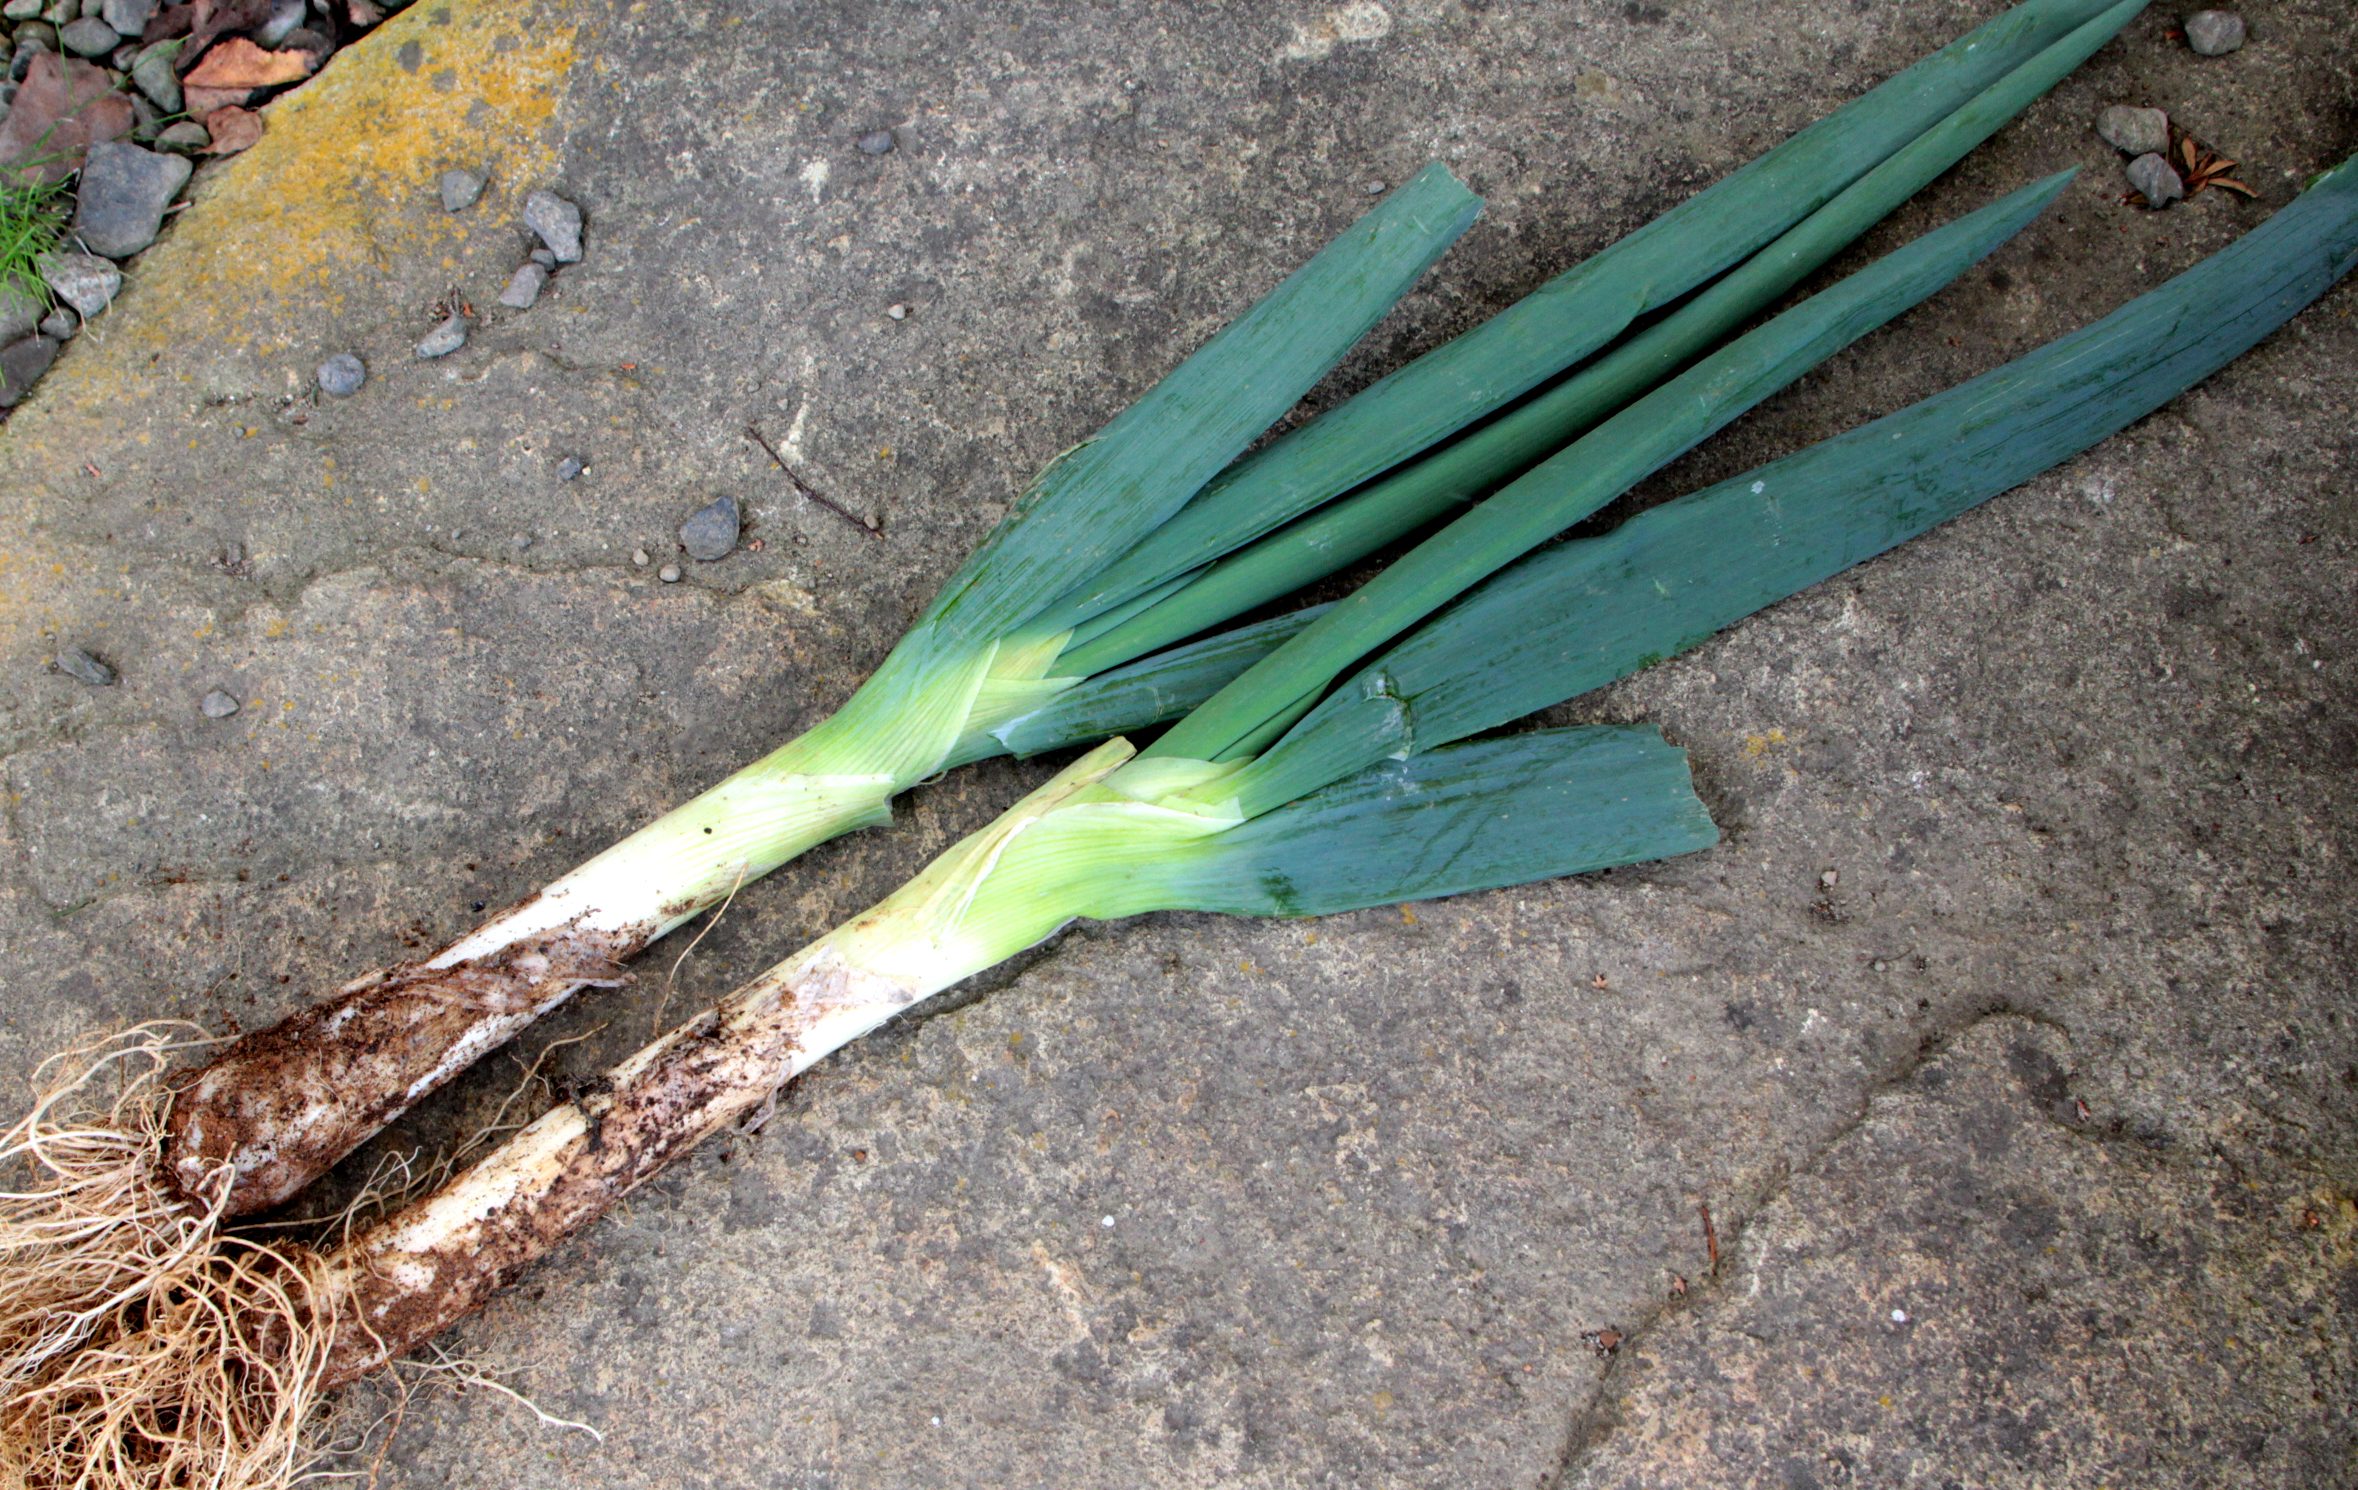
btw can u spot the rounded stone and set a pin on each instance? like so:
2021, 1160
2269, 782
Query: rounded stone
219, 704
669, 574
711, 530
2214, 33
460, 189
445, 338
2134, 131
88, 37
2156, 180
341, 375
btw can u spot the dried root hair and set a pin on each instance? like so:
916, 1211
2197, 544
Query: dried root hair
210, 1380
90, 1226
147, 1347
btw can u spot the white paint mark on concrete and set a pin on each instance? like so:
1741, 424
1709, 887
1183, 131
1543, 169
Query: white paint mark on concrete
1361, 20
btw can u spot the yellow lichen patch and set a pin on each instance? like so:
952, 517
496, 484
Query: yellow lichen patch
339, 190
299, 239
342, 180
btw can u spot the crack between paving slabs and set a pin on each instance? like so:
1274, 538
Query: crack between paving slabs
1592, 1423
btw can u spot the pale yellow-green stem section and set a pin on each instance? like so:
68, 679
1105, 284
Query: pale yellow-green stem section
1077, 846
275, 1110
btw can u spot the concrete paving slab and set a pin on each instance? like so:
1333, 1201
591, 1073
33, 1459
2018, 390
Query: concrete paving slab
1189, 1201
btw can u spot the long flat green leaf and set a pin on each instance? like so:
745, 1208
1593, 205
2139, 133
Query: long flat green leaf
1101, 497
1578, 480
1346, 531
1578, 312
1469, 817
1588, 612
1146, 692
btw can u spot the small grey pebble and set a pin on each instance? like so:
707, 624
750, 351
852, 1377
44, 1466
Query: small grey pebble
285, 16
570, 467
86, 282
130, 17
897, 311
341, 375
669, 574
88, 37
711, 530
1880, 965
119, 205
186, 136
76, 662
219, 705
155, 73
2212, 33
460, 190
521, 542
2134, 131
544, 258
523, 287
557, 222
21, 366
445, 338
60, 324
638, 556
1374, 188
2156, 179
876, 142
21, 10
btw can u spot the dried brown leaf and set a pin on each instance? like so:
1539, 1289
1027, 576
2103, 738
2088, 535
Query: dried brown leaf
63, 107
238, 63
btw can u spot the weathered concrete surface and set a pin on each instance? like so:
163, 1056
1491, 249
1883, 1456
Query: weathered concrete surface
1980, 1286
2080, 766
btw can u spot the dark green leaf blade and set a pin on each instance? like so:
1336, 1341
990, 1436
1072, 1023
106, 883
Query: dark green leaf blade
1445, 480
1579, 311
1102, 496
1587, 612
1581, 478
1447, 822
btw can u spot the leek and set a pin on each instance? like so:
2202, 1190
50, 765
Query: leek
1360, 804
1121, 527
1142, 535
